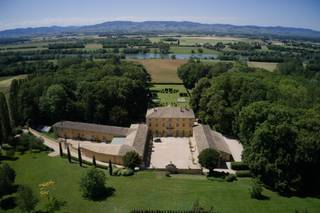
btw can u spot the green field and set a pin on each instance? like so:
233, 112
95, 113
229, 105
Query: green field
166, 99
192, 40
270, 66
187, 50
5, 82
150, 190
162, 70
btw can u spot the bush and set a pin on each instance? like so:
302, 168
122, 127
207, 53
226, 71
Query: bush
7, 178
239, 166
256, 189
231, 178
171, 168
127, 172
244, 173
92, 184
209, 159
26, 199
131, 160
18, 131
116, 171
10, 153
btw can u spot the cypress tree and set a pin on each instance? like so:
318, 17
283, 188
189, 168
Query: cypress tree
4, 118
69, 154
60, 149
79, 155
94, 161
13, 102
110, 168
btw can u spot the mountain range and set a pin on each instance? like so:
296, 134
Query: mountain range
166, 27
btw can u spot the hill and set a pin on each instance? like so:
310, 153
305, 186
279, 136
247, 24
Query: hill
166, 27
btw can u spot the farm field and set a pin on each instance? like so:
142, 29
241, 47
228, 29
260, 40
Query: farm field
168, 98
162, 70
149, 190
187, 50
192, 40
270, 66
6, 81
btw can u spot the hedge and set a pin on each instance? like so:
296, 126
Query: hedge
243, 173
239, 166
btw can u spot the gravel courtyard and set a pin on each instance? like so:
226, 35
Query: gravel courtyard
176, 151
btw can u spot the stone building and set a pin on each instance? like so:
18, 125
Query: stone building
133, 138
206, 138
170, 121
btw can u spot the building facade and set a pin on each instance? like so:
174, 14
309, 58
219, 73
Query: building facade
170, 122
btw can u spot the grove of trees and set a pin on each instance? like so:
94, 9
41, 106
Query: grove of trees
107, 92
276, 116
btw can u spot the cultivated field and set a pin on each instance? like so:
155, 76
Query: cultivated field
192, 40
162, 70
5, 82
150, 190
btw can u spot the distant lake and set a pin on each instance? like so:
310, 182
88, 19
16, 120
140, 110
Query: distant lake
168, 56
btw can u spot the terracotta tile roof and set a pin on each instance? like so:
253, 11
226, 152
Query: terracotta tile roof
170, 112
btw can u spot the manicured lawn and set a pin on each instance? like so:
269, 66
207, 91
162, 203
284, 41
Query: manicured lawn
162, 70
150, 190
171, 98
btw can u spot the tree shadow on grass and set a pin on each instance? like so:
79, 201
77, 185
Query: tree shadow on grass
263, 197
104, 194
8, 202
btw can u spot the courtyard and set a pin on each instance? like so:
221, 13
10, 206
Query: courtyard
181, 151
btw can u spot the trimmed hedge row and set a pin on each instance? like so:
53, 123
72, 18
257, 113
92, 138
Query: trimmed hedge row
244, 173
239, 166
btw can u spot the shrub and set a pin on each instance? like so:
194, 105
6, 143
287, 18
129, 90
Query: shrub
10, 153
231, 178
7, 178
127, 172
256, 189
131, 159
171, 168
92, 184
18, 131
244, 173
209, 159
26, 199
239, 166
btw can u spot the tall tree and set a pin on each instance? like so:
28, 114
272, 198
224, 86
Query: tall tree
5, 118
79, 155
13, 102
69, 154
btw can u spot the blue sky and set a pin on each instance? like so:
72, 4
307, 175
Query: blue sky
292, 13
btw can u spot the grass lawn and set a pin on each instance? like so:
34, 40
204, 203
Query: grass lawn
171, 98
162, 70
5, 82
150, 190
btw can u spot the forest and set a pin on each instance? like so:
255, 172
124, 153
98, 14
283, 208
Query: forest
276, 116
106, 92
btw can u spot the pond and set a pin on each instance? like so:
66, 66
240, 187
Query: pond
168, 56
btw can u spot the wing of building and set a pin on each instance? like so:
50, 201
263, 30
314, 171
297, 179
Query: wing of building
131, 139
206, 138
